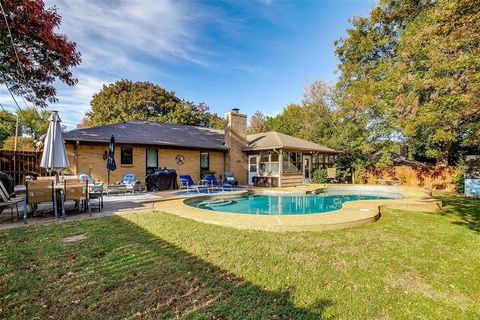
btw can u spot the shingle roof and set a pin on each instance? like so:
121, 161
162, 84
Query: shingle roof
277, 140
154, 133
178, 135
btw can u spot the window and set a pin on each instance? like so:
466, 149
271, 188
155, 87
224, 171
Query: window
269, 164
126, 156
292, 162
152, 160
274, 163
204, 163
252, 167
264, 163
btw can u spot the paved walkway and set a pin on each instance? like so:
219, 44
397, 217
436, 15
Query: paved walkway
112, 205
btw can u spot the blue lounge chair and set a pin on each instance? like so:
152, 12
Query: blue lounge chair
214, 182
230, 178
187, 183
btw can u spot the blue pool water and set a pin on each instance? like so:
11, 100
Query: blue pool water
277, 204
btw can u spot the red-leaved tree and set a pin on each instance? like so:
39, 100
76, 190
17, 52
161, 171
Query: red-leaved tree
45, 56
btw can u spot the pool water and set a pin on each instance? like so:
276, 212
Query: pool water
277, 204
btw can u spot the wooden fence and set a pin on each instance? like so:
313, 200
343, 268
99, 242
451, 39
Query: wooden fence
20, 164
436, 178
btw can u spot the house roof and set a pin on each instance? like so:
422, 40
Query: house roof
154, 133
185, 136
277, 140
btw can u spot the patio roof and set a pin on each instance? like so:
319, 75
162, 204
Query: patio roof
276, 140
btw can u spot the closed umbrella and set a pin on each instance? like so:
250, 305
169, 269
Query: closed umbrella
54, 156
111, 166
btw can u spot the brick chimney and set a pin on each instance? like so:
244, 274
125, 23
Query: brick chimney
236, 139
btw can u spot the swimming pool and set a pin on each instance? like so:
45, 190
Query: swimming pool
277, 204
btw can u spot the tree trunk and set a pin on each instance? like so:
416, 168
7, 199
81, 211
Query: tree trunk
442, 161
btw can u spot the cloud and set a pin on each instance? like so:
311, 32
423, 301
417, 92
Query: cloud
120, 40
146, 40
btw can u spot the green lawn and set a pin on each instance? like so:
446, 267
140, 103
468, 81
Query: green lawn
408, 265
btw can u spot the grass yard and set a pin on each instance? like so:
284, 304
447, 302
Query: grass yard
408, 265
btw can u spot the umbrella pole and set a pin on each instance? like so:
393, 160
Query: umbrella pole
108, 181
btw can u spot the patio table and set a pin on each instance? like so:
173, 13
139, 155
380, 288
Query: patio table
58, 197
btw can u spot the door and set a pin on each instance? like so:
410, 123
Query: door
152, 160
253, 166
307, 167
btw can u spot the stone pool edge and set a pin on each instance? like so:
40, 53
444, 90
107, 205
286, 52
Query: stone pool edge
353, 213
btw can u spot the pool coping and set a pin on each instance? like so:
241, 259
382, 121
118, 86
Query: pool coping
352, 213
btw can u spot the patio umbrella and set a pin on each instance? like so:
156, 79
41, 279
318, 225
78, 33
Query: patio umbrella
54, 157
111, 166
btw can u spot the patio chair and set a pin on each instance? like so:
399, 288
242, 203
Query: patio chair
129, 180
187, 183
76, 191
212, 181
7, 198
95, 193
38, 191
229, 178
85, 176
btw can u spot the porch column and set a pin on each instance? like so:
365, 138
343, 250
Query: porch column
280, 169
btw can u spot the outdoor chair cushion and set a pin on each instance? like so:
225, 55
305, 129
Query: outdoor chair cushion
129, 179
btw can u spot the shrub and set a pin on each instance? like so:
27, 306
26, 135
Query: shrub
360, 172
342, 175
319, 176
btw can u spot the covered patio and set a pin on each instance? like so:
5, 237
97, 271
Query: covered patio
279, 160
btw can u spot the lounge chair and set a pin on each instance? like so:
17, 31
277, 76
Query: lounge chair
187, 183
212, 181
7, 196
230, 178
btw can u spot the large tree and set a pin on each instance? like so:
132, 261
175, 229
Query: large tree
409, 73
313, 119
438, 97
32, 55
257, 123
34, 123
7, 125
126, 100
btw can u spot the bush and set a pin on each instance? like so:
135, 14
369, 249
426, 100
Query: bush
342, 175
459, 177
319, 176
360, 172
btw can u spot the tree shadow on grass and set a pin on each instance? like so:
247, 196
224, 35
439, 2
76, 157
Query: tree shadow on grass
122, 271
466, 210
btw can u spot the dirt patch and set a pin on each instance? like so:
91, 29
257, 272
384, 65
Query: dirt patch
340, 265
413, 283
76, 238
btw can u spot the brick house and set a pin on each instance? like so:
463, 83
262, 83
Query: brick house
142, 146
